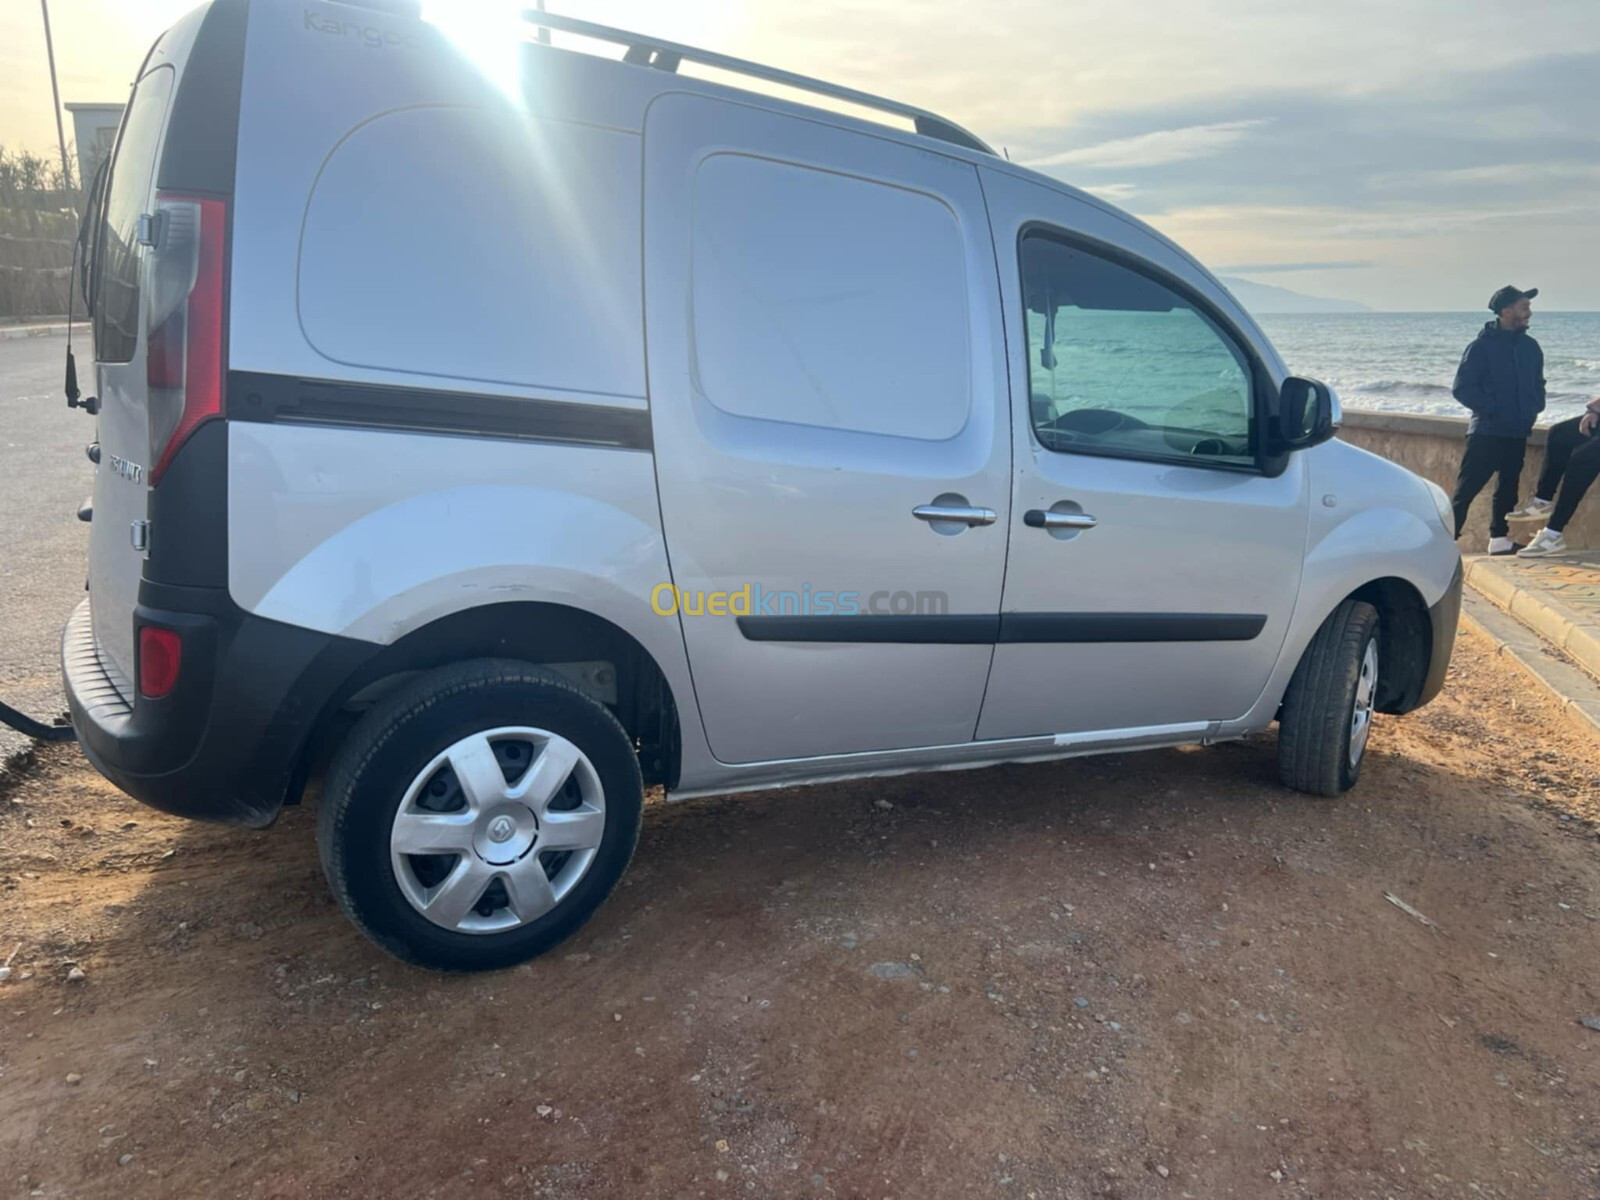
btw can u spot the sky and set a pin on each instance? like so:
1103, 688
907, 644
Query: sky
1408, 154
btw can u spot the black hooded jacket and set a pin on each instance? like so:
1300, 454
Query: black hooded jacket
1501, 379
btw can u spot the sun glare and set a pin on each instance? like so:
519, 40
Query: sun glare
489, 32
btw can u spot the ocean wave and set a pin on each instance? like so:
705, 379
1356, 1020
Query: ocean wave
1385, 386
1412, 389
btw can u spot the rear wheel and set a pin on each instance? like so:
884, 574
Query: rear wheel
479, 816
1327, 711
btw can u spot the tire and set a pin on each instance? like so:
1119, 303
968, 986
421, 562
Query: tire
493, 779
1322, 733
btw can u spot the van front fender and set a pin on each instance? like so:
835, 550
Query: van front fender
1374, 544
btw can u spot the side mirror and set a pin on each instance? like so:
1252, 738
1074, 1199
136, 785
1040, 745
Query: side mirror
1308, 414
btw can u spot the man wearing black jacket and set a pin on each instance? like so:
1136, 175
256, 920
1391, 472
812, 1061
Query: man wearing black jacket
1501, 380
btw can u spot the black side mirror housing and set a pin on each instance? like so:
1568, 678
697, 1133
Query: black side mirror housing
1307, 415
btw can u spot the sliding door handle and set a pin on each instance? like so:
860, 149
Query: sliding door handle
1038, 518
965, 514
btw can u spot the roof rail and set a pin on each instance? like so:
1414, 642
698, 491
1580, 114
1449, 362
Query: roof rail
644, 50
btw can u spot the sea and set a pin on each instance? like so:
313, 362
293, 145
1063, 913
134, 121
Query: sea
1405, 362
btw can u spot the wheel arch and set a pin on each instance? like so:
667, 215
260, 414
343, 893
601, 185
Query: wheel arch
1406, 641
537, 632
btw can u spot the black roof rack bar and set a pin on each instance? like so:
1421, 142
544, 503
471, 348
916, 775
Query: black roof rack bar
649, 51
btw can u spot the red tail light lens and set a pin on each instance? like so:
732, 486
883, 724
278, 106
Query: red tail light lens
160, 660
184, 334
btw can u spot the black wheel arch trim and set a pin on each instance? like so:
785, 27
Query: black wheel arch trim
1444, 618
259, 702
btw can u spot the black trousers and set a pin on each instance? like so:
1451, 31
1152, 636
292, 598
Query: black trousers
1485, 455
1571, 463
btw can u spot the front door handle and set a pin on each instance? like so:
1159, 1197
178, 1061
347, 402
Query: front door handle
1038, 518
965, 514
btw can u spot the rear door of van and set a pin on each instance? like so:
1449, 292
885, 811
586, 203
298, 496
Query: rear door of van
122, 482
156, 299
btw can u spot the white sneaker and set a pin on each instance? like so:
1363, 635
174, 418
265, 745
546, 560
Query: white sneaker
1502, 546
1545, 543
1534, 508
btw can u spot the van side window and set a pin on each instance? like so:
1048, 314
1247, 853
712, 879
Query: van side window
1120, 364
116, 293
826, 299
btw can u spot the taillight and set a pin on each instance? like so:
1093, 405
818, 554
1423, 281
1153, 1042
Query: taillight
160, 660
184, 329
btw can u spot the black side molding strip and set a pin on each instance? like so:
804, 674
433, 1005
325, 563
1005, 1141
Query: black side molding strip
1033, 628
976, 629
287, 400
1130, 627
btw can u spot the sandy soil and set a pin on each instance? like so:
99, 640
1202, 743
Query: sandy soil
1144, 976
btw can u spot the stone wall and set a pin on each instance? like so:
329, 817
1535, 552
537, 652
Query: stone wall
1431, 446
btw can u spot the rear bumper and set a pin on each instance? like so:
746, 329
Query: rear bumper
1444, 617
227, 743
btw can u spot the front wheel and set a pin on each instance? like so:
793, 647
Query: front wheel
1327, 710
479, 815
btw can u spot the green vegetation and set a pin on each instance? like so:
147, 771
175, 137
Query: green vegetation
39, 208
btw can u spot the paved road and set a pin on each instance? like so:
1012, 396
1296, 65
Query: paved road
44, 476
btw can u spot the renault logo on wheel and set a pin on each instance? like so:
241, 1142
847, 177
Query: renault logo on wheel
501, 829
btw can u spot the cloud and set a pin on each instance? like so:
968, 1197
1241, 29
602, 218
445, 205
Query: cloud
1467, 140
1156, 148
1284, 267
1522, 177
1114, 192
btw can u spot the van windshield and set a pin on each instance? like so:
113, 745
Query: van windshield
116, 291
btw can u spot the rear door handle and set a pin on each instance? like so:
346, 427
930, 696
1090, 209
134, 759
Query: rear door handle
966, 514
1038, 518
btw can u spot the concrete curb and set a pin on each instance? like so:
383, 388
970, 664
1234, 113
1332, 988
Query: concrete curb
10, 333
1528, 606
1572, 688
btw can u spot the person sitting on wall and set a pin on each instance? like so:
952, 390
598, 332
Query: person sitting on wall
1571, 464
1501, 381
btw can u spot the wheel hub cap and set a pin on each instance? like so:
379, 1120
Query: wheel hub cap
496, 829
505, 836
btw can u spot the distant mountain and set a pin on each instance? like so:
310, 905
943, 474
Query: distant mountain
1263, 298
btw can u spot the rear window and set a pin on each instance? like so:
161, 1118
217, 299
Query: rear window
116, 293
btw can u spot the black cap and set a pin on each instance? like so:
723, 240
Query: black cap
1508, 295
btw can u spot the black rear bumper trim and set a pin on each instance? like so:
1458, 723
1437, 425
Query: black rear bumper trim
226, 743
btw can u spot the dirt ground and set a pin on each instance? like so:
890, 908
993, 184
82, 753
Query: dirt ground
1153, 975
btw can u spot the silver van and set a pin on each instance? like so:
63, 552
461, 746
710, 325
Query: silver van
494, 444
